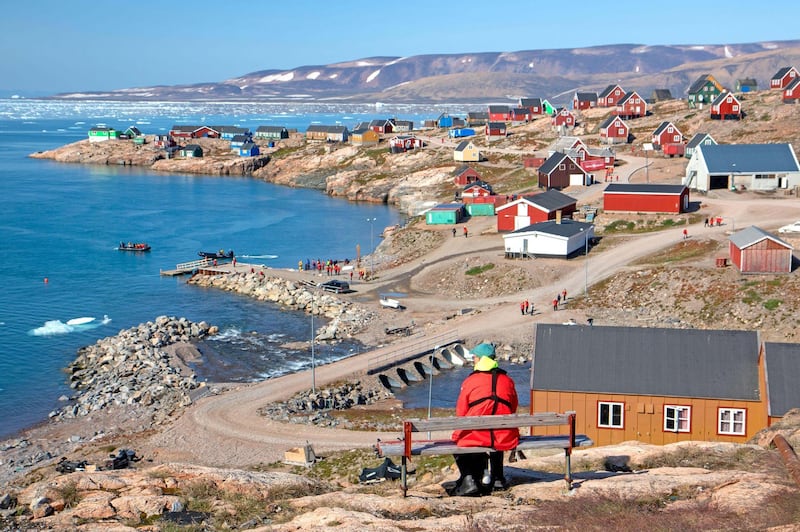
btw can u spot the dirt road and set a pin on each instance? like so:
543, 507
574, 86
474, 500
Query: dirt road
226, 429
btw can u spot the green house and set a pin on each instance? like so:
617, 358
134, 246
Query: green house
445, 214
704, 91
480, 209
548, 108
102, 134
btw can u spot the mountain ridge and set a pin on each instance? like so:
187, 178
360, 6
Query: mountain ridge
435, 78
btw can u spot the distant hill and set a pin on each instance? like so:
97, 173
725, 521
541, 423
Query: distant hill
490, 76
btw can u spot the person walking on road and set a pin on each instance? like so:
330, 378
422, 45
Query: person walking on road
555, 304
685, 234
454, 232
466, 233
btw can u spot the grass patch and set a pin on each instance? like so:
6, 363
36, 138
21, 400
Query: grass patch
751, 297
685, 250
772, 304
69, 494
477, 270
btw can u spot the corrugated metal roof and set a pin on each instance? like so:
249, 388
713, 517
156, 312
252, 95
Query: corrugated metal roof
646, 361
782, 361
566, 228
749, 158
751, 235
644, 188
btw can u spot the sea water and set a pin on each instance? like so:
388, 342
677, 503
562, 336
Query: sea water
60, 225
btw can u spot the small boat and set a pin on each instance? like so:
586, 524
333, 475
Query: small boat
134, 246
216, 254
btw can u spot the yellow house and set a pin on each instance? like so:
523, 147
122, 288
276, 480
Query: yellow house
364, 137
466, 151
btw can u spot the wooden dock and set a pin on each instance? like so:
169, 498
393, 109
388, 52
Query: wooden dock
187, 267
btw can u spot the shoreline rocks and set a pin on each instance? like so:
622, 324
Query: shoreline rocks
346, 318
134, 368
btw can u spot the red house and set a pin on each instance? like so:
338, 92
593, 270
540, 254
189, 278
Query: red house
792, 92
478, 189
667, 133
465, 175
726, 107
563, 117
520, 115
584, 100
783, 78
631, 106
534, 105
629, 197
530, 209
193, 132
610, 96
753, 250
495, 130
499, 113
381, 126
614, 130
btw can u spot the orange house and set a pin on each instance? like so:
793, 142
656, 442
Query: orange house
653, 385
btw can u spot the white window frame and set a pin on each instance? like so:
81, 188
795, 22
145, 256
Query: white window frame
611, 405
680, 417
727, 422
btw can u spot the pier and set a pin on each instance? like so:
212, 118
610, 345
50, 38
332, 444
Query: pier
187, 267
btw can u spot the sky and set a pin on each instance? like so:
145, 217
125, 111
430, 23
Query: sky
52, 46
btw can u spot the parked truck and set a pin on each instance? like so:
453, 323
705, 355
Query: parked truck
456, 133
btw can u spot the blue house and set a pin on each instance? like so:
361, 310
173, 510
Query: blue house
248, 149
228, 132
444, 121
239, 140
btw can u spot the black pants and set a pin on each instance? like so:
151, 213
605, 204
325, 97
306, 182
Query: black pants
474, 465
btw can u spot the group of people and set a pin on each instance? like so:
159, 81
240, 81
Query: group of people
526, 307
465, 231
711, 221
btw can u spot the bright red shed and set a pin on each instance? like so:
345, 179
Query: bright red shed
646, 197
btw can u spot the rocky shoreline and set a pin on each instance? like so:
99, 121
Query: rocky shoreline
346, 318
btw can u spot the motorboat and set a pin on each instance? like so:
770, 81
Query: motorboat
134, 246
80, 321
216, 254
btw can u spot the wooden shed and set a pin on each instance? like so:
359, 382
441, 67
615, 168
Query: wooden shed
560, 171
655, 385
465, 175
646, 197
753, 250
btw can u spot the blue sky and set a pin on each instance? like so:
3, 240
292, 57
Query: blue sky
50, 46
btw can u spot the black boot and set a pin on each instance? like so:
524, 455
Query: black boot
467, 487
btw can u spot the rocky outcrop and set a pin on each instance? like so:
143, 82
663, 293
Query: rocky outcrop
133, 368
346, 318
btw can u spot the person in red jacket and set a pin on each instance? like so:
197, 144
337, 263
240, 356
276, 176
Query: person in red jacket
488, 390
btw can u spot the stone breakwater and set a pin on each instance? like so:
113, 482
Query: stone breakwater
135, 368
346, 318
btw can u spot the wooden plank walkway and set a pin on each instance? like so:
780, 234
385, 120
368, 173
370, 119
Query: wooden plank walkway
187, 267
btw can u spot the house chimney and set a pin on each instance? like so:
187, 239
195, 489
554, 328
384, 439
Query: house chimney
558, 216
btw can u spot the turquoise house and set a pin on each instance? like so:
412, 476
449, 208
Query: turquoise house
445, 214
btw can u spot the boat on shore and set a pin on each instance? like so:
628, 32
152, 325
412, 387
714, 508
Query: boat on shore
388, 302
216, 254
133, 246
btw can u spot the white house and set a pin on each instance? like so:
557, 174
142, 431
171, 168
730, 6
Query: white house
553, 238
754, 166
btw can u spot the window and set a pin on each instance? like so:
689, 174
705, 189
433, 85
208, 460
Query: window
621, 131
562, 167
676, 418
609, 415
735, 108
731, 421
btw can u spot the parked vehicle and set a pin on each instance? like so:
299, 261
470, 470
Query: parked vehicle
336, 286
791, 228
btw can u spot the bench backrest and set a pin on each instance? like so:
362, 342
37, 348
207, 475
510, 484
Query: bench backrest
488, 422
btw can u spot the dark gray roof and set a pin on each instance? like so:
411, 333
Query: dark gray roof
499, 109
463, 145
644, 188
586, 96
749, 158
610, 120
722, 95
608, 90
478, 114
751, 235
552, 162
270, 129
496, 125
566, 228
232, 130
552, 200
662, 126
782, 72
662, 94
699, 83
530, 102
698, 138
782, 362
644, 361
481, 184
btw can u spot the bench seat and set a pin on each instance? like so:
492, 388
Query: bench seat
437, 447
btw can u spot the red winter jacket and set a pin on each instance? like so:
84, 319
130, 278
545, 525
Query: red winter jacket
476, 399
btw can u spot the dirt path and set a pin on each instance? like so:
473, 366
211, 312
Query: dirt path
227, 429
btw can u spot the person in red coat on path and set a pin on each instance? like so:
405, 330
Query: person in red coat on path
488, 390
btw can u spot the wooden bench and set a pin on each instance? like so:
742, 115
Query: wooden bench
408, 447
